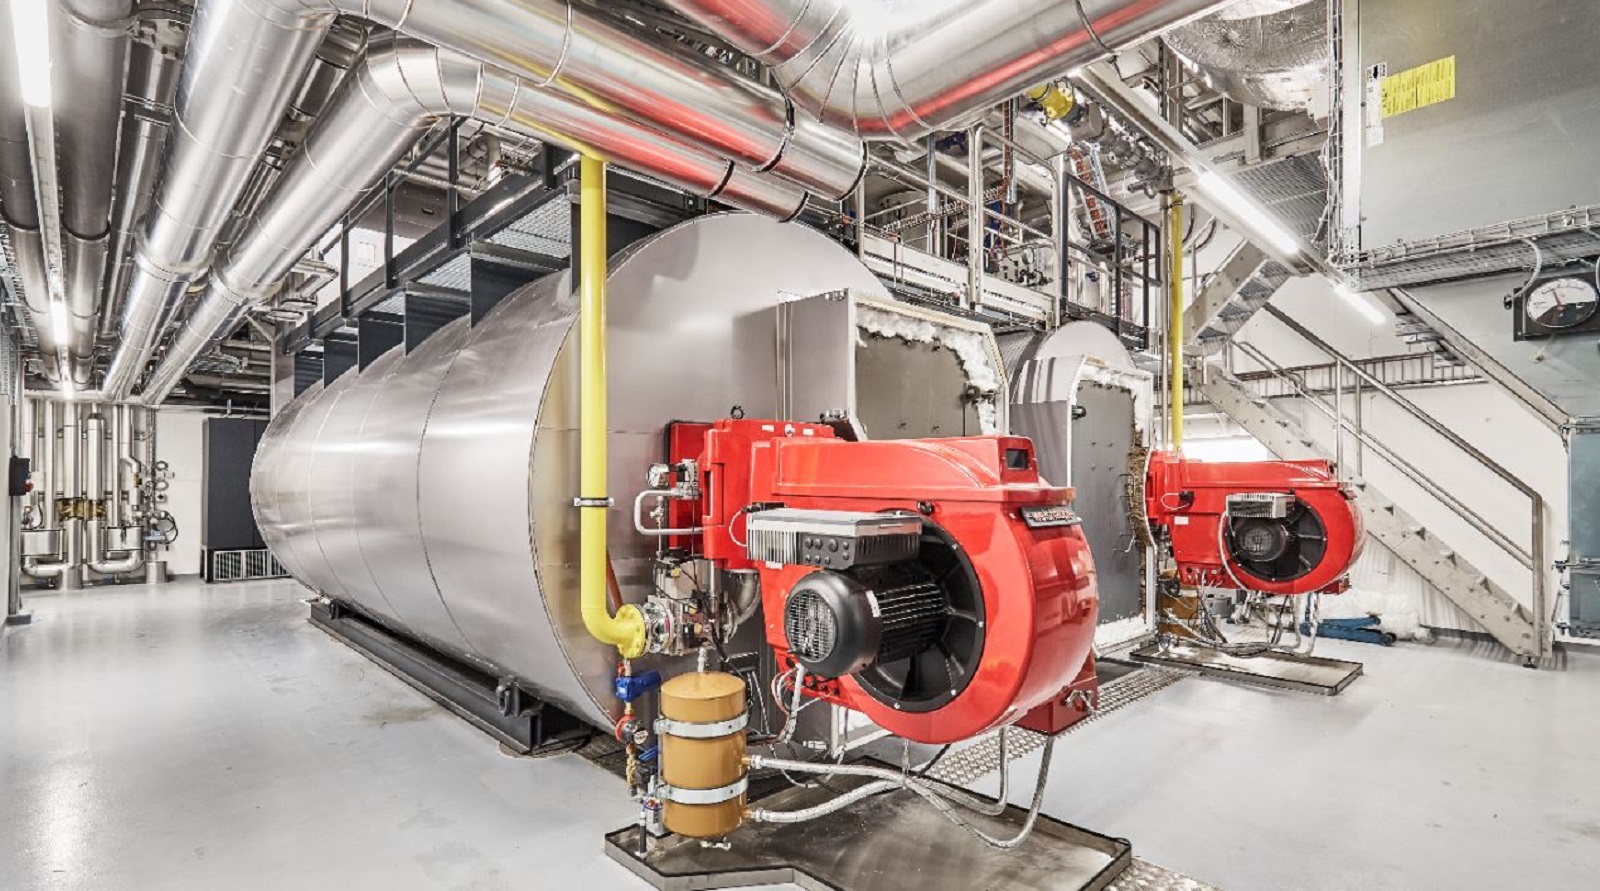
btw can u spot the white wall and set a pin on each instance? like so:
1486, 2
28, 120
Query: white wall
179, 443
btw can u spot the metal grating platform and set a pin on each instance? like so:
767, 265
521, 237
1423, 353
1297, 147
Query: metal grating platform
981, 758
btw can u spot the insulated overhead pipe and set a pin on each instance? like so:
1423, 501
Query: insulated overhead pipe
152, 79
597, 58
19, 209
884, 69
236, 49
402, 88
89, 45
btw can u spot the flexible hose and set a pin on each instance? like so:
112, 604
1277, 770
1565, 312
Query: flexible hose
932, 795
762, 815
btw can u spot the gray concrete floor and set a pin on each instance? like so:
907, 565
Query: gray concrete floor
206, 737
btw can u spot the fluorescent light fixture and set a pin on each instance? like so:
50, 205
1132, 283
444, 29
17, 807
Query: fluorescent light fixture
58, 322
30, 25
1248, 213
1360, 302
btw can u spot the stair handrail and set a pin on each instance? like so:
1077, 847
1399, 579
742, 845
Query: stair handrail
1409, 470
1532, 558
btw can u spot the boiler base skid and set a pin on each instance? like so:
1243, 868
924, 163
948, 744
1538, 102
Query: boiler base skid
890, 842
518, 719
1283, 671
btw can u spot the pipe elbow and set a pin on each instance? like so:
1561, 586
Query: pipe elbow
625, 630
130, 563
410, 80
34, 568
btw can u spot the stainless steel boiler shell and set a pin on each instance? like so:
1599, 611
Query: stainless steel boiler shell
434, 490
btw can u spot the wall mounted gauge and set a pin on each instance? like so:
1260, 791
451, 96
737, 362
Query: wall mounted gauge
1562, 302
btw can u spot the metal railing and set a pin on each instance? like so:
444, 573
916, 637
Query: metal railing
1531, 557
939, 218
1400, 372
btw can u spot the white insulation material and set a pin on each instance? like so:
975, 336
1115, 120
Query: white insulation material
1407, 606
976, 362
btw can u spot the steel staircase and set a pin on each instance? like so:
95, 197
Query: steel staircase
1231, 296
1441, 565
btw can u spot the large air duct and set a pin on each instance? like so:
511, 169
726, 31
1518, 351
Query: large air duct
401, 89
890, 68
1266, 53
243, 64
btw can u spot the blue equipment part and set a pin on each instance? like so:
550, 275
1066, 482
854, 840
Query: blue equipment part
629, 688
1362, 630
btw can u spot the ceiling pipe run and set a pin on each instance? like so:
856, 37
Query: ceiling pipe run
152, 80
887, 69
243, 64
401, 89
89, 48
18, 205
611, 64
260, 49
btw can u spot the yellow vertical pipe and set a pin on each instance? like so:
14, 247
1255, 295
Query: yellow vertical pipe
1175, 315
625, 630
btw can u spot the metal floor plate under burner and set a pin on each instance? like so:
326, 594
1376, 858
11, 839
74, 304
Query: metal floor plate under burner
892, 842
1307, 674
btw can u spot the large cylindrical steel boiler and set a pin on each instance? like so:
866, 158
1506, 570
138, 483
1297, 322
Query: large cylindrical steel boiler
433, 490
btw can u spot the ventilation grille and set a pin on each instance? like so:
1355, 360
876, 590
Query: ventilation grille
244, 566
810, 626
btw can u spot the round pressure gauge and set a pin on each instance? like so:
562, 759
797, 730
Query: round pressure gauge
1562, 302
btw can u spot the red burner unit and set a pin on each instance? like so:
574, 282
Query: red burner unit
939, 587
1278, 527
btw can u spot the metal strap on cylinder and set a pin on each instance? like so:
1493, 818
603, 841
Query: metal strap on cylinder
689, 730
703, 796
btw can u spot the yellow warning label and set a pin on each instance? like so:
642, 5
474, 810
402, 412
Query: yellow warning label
1419, 87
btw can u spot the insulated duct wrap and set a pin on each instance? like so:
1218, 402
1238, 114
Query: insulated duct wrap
1276, 58
433, 491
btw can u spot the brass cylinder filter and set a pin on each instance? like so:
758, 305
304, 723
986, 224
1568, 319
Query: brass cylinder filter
702, 735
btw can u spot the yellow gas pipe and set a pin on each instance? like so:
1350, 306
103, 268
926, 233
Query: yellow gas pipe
1175, 316
624, 630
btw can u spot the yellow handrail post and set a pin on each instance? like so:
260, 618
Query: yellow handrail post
626, 629
1175, 316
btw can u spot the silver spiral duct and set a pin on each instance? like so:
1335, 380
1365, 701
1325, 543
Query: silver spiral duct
902, 68
1278, 59
401, 89
243, 64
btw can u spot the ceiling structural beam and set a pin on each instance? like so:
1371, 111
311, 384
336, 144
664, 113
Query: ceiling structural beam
1210, 188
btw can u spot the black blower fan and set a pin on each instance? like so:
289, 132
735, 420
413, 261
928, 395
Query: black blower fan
911, 632
1277, 549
